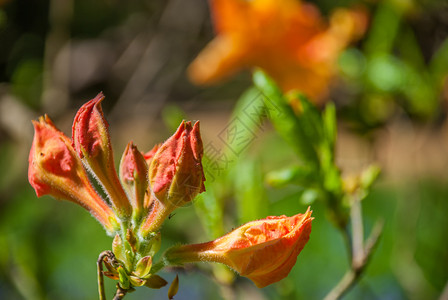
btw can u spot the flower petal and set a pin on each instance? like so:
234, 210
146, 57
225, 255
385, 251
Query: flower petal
55, 169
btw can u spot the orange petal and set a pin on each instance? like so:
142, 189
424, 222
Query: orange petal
55, 169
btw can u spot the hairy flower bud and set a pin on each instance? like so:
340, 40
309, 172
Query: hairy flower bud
176, 174
150, 154
55, 169
134, 177
92, 142
264, 251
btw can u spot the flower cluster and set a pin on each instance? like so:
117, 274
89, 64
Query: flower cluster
288, 39
146, 190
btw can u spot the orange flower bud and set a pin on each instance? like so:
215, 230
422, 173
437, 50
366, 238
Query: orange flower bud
176, 174
150, 154
264, 251
133, 175
55, 169
92, 142
148, 157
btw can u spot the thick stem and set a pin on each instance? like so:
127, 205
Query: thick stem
120, 293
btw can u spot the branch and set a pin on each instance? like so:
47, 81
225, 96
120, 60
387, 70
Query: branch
360, 253
120, 293
444, 294
357, 233
343, 286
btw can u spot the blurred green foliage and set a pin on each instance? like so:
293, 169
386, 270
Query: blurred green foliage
396, 66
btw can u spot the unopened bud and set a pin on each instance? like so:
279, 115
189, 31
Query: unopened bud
176, 174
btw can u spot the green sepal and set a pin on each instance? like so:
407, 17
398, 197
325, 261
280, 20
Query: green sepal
154, 245
129, 253
123, 278
155, 282
118, 248
174, 288
135, 281
143, 267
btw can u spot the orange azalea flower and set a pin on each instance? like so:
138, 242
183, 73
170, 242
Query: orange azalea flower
264, 251
55, 169
287, 38
150, 186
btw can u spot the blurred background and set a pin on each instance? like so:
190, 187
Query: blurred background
391, 97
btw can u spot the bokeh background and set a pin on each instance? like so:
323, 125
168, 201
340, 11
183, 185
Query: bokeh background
391, 99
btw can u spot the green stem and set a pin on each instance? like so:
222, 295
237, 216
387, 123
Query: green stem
99, 264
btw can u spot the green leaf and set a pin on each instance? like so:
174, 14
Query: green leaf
237, 136
250, 192
410, 50
386, 73
379, 39
244, 123
250, 108
369, 176
309, 196
329, 124
332, 180
311, 121
210, 212
284, 119
439, 63
300, 175
423, 98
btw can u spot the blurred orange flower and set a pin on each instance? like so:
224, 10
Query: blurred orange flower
289, 39
264, 250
